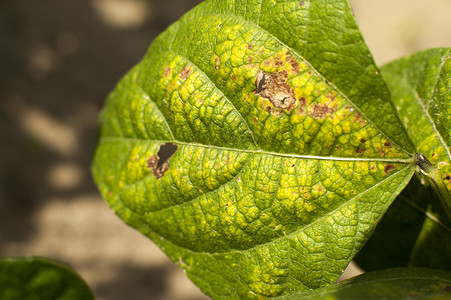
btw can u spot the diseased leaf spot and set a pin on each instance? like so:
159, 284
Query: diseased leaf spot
217, 63
184, 73
302, 102
359, 118
294, 64
320, 111
159, 163
330, 96
388, 167
274, 87
167, 71
360, 150
301, 3
387, 144
278, 60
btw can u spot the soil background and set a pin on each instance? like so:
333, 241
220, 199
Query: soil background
58, 61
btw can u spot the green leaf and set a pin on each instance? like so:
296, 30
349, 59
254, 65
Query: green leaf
41, 279
401, 283
282, 147
416, 230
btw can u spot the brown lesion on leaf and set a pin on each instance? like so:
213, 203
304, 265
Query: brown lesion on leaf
302, 102
301, 109
321, 110
274, 87
184, 73
387, 144
159, 163
360, 150
217, 63
167, 71
330, 96
388, 167
448, 177
294, 64
359, 118
381, 151
278, 60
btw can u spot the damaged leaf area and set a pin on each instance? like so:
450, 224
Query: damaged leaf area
273, 86
283, 158
159, 163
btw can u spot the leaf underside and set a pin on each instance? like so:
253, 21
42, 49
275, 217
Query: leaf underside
287, 150
416, 231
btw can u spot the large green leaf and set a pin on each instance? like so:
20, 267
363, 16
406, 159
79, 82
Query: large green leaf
401, 283
285, 150
416, 230
34, 278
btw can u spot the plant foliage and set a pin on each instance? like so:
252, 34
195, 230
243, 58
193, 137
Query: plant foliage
35, 278
256, 144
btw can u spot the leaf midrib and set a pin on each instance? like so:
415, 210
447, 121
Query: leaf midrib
265, 152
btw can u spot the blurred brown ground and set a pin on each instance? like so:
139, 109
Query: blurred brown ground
58, 61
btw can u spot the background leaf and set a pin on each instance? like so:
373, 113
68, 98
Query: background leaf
400, 283
415, 230
39, 278
285, 147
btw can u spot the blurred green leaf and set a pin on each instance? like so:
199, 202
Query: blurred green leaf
256, 144
29, 278
416, 231
400, 283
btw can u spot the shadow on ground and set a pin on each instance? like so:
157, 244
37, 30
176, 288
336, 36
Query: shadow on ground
59, 61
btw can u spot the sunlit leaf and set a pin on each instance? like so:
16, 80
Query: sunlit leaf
282, 148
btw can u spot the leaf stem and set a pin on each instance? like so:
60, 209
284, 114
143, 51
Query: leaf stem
435, 178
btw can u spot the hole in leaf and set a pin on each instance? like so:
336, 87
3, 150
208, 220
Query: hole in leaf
159, 163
